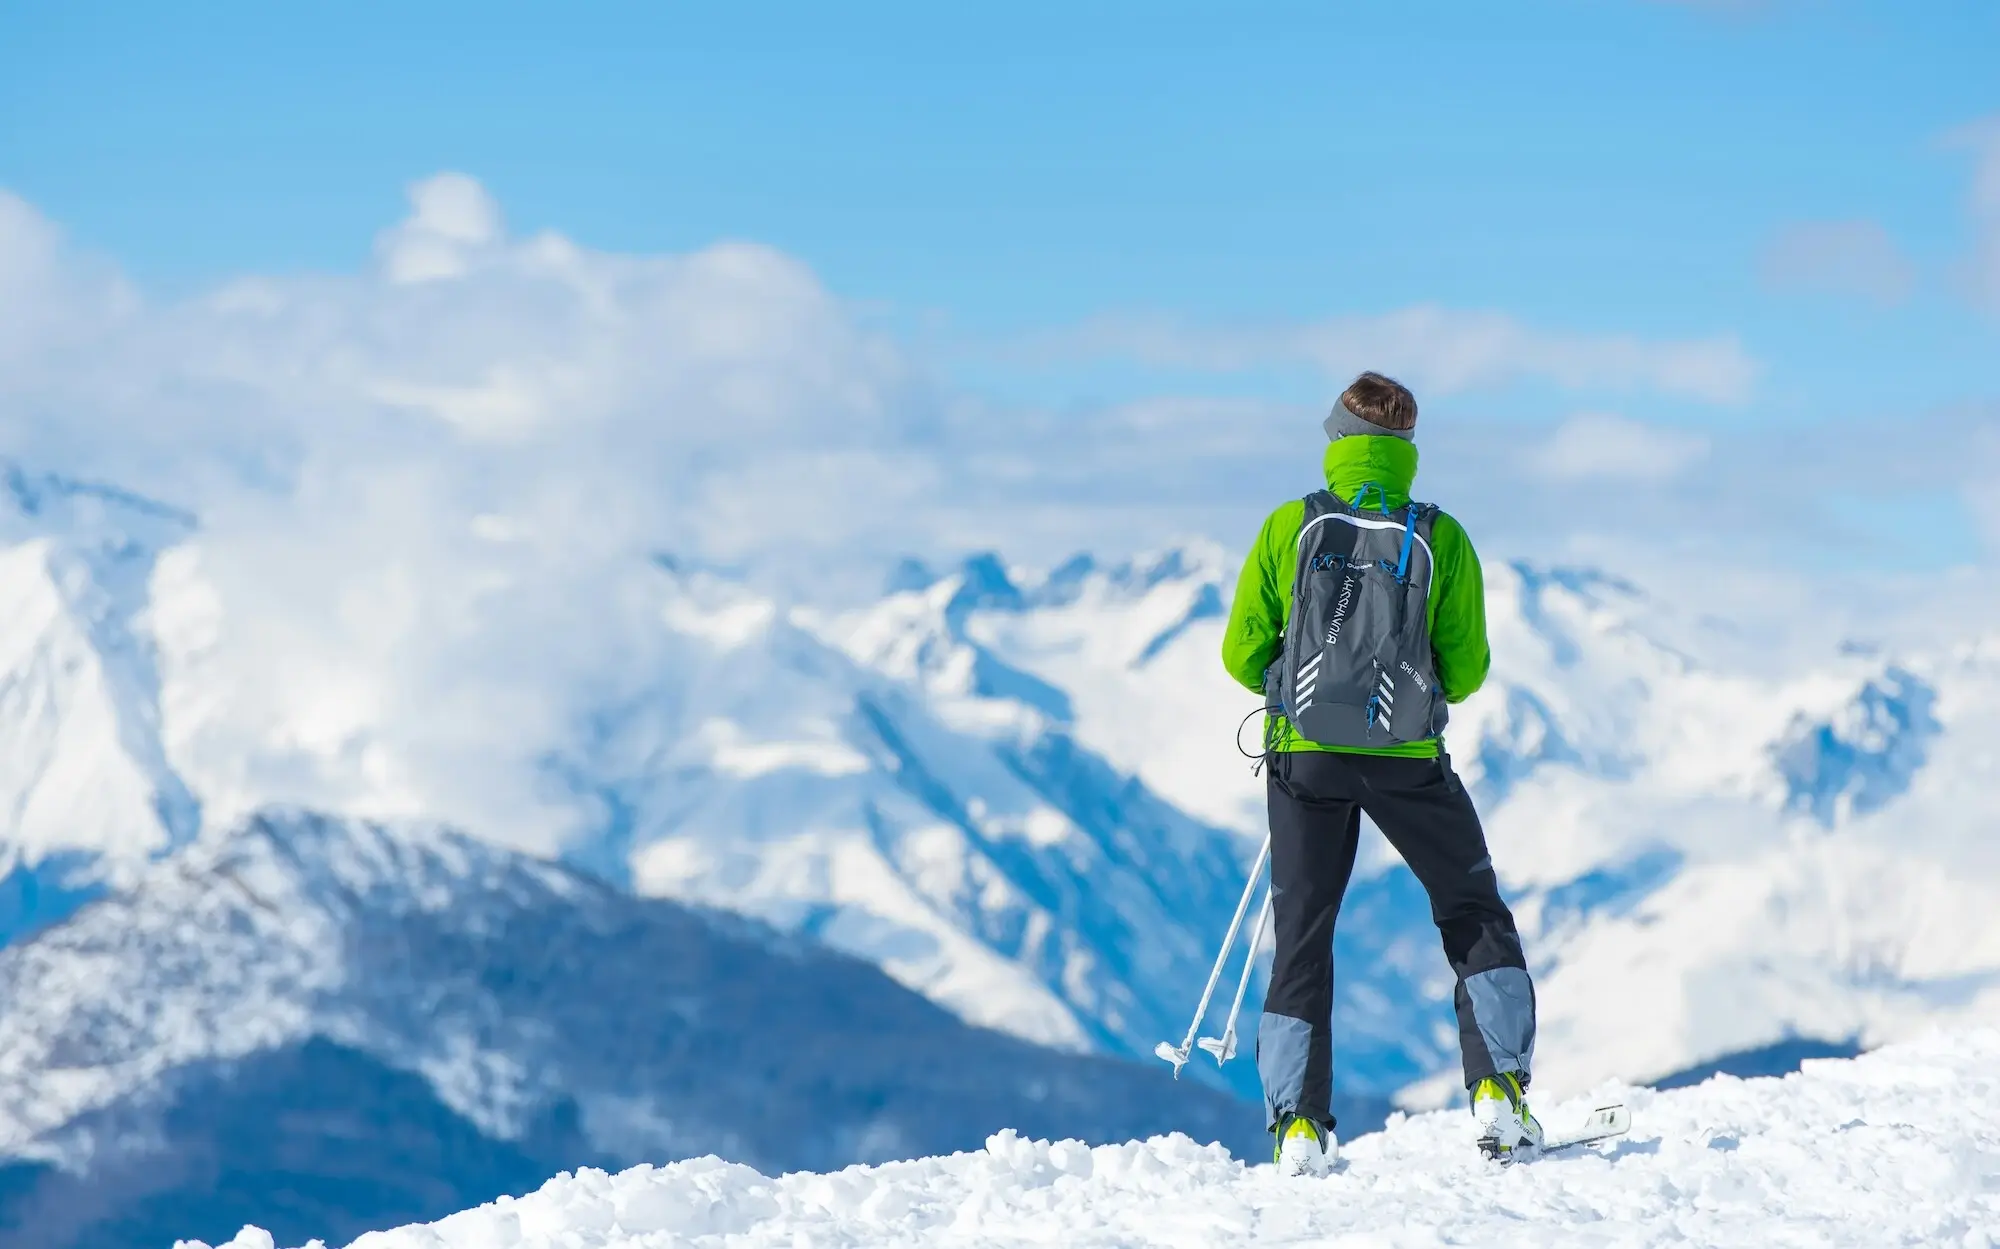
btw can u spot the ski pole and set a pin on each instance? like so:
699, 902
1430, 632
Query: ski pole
1225, 1049
1179, 1057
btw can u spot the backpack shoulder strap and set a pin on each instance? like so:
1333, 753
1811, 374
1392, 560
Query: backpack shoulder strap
1317, 504
1417, 515
1417, 526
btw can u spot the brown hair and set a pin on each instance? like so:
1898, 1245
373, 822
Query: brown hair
1381, 401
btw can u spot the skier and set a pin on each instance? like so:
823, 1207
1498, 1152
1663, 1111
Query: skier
1360, 615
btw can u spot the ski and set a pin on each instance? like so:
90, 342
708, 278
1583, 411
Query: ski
1604, 1123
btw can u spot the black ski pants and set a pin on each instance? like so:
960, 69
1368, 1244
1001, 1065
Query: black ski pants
1316, 799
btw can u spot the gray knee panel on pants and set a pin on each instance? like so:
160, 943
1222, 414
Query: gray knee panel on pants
1503, 1007
1284, 1047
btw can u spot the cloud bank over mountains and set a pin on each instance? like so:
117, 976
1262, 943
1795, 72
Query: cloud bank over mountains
725, 403
434, 494
703, 401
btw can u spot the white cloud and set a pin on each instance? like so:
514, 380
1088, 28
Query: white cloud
429, 491
49, 299
1436, 350
1607, 446
532, 359
1851, 259
452, 220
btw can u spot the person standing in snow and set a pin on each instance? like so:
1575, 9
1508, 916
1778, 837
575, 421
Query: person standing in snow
1361, 615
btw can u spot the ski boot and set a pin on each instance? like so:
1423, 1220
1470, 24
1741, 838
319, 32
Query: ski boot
1507, 1132
1305, 1148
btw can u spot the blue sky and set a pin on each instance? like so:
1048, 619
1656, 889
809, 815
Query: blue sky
1580, 164
1700, 216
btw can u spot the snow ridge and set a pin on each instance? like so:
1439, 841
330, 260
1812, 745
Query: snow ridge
1865, 754
243, 944
523, 994
895, 791
1896, 1147
87, 792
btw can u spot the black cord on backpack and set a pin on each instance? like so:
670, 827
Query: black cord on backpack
1259, 757
1271, 736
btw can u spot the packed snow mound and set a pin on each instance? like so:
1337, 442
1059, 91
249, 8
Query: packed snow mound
1899, 1147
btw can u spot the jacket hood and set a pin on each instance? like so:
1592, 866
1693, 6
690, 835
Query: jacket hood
1358, 460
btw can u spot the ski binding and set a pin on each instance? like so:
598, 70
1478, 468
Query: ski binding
1604, 1123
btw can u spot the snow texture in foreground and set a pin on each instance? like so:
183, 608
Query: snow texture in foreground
1899, 1147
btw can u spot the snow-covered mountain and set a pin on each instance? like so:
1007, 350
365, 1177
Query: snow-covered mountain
1894, 1148
1709, 856
999, 867
1017, 793
1122, 656
1713, 859
972, 847
398, 1021
86, 791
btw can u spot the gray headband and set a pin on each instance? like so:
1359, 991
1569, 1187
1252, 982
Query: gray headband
1343, 422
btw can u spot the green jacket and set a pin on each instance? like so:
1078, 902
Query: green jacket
1456, 610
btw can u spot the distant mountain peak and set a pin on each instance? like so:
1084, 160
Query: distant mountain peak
1865, 753
1575, 578
52, 502
88, 789
984, 584
1568, 609
335, 861
1194, 563
984, 581
909, 576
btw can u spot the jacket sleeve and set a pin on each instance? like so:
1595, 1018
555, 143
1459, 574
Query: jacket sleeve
1256, 631
1458, 613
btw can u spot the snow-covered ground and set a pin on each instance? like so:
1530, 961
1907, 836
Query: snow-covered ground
1899, 1147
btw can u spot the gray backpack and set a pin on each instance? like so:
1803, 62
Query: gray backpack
1357, 667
